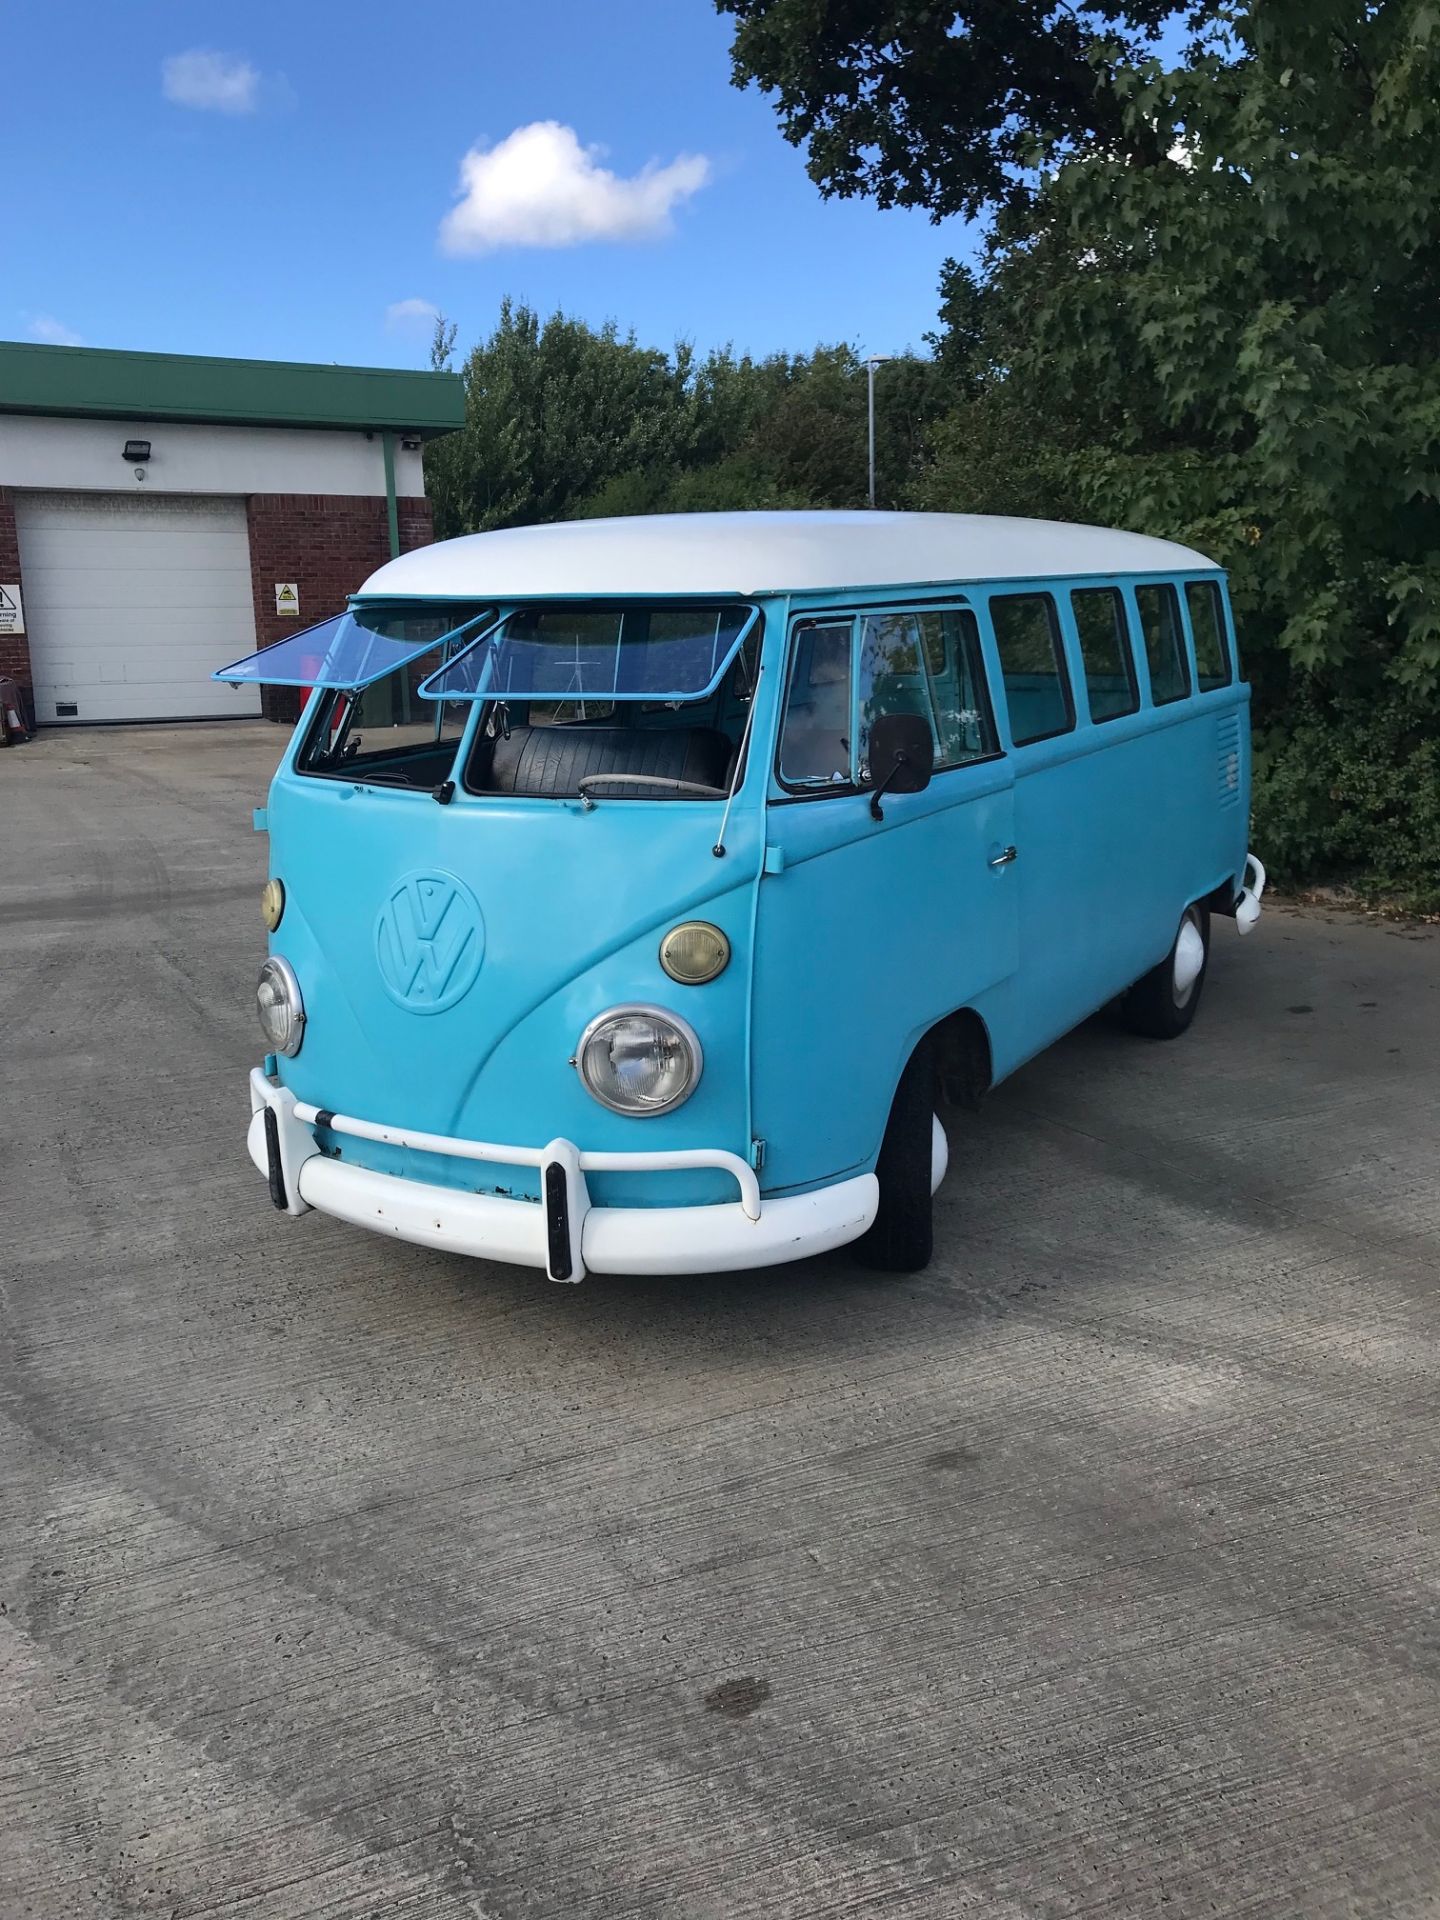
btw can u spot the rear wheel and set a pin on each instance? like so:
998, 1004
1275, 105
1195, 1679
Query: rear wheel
1162, 1003
902, 1239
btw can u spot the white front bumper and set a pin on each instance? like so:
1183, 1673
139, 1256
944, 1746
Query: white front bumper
646, 1240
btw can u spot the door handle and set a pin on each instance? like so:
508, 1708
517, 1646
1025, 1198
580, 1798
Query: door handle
1005, 856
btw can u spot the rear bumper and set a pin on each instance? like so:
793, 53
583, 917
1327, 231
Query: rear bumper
1247, 907
564, 1235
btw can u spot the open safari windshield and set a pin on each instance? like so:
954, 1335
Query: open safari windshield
643, 700
560, 652
358, 647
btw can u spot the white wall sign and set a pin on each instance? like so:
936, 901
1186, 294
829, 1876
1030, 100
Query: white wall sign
12, 612
287, 597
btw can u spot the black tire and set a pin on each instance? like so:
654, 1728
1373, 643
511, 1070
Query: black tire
1153, 1006
902, 1237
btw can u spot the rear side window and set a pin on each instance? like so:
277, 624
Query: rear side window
1104, 629
1207, 624
927, 663
815, 741
1037, 688
1164, 643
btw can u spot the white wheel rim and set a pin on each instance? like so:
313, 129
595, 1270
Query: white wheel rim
1189, 960
939, 1152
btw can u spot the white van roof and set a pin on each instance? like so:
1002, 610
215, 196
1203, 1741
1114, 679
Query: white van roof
754, 553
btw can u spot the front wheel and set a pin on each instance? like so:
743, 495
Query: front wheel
901, 1238
1162, 1003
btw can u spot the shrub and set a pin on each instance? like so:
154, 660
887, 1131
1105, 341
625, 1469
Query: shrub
1353, 792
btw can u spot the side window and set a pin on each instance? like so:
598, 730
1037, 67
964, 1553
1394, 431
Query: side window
1104, 629
936, 628
962, 698
926, 663
1164, 643
1207, 624
815, 740
1037, 688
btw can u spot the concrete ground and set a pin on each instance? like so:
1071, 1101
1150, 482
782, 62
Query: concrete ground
1092, 1572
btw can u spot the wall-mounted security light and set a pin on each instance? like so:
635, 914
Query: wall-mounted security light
411, 443
137, 452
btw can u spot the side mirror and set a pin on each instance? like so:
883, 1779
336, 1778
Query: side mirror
902, 756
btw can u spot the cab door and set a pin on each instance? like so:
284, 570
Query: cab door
869, 931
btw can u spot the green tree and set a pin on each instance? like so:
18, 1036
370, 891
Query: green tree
553, 411
1244, 342
442, 344
565, 420
444, 458
1219, 323
940, 106
1248, 331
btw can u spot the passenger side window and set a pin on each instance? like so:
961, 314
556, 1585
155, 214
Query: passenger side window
1164, 643
1104, 630
815, 740
1207, 625
926, 663
1037, 687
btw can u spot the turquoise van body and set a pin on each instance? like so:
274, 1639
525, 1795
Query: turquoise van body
454, 907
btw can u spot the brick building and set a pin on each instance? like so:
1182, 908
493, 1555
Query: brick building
161, 515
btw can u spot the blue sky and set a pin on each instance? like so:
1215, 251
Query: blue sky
280, 200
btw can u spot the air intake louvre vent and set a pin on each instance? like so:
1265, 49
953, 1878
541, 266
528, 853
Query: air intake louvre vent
1227, 740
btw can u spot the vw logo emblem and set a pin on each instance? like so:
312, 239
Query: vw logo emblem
429, 941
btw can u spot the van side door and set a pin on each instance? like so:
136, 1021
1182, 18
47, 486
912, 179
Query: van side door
1074, 828
870, 931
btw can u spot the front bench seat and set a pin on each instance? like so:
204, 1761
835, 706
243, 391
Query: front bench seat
550, 762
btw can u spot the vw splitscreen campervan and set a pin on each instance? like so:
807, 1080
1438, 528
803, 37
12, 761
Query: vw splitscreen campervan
639, 888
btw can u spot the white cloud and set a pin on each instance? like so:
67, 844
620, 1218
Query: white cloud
54, 333
540, 188
411, 316
213, 82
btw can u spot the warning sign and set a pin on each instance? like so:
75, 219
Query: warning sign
287, 597
12, 613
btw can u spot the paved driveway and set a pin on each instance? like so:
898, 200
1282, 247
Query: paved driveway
1093, 1571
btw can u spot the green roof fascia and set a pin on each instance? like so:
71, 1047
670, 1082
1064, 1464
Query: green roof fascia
94, 383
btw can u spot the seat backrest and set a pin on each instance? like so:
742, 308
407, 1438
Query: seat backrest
550, 762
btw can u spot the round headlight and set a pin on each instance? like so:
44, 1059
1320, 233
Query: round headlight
272, 903
282, 1011
694, 953
638, 1060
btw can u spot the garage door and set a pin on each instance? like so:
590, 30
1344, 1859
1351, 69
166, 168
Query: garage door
131, 602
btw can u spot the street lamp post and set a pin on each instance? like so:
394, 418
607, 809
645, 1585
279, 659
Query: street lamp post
875, 360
